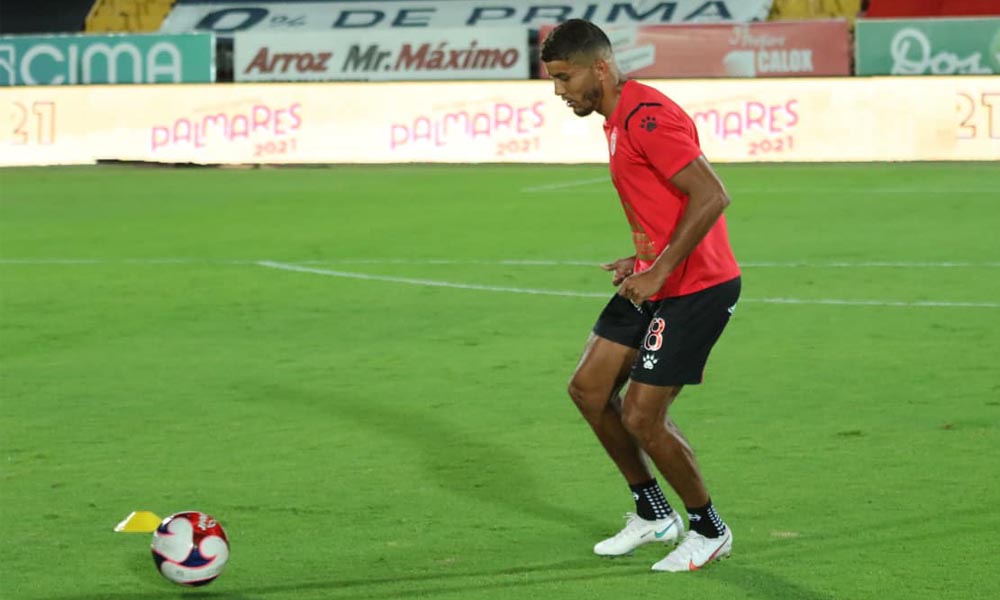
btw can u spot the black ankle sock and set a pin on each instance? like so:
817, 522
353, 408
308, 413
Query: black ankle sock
706, 521
650, 504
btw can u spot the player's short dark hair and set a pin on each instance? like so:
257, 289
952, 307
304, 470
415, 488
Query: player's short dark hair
574, 38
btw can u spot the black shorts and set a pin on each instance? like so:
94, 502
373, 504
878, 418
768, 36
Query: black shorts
674, 336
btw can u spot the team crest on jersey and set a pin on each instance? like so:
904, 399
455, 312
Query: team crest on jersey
613, 142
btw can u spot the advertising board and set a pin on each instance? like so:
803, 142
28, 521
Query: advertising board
779, 49
83, 59
786, 120
382, 55
968, 46
226, 18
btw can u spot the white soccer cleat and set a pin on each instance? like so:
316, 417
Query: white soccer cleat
639, 531
695, 551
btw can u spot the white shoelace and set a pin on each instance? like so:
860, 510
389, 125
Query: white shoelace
694, 540
632, 522
690, 539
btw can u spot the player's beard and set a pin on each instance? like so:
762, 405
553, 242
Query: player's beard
591, 100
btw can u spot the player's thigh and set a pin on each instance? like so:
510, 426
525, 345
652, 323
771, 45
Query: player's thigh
681, 335
603, 368
610, 351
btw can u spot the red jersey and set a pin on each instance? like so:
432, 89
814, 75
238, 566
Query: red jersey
650, 139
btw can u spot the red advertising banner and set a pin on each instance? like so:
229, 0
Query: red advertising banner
776, 49
894, 9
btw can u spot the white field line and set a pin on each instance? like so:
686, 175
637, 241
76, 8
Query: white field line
565, 184
514, 290
594, 263
122, 261
738, 191
427, 282
501, 262
871, 264
450, 261
838, 302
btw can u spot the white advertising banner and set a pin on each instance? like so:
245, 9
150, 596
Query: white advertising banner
870, 119
382, 55
228, 17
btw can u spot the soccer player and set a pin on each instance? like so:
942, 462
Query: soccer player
675, 296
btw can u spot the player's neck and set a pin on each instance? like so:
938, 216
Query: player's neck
610, 101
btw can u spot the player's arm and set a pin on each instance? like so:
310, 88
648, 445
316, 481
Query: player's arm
707, 199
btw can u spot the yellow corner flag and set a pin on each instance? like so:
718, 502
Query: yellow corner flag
139, 521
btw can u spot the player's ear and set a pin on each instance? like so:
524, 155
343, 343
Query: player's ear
602, 69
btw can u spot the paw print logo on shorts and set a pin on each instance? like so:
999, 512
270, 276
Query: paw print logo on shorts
648, 123
649, 361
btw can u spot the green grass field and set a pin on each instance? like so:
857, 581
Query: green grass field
363, 430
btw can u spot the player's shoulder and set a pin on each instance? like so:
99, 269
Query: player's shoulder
645, 104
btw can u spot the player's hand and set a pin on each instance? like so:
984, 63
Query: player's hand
640, 287
622, 268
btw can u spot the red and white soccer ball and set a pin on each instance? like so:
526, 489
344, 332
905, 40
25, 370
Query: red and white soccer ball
190, 548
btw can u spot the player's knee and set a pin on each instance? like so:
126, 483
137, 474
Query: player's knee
589, 399
639, 424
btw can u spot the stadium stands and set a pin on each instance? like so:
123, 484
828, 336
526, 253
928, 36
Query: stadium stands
127, 15
58, 16
799, 10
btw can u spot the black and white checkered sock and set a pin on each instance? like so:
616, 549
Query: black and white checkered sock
706, 521
650, 504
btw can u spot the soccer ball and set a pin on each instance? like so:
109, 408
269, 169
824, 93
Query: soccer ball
190, 548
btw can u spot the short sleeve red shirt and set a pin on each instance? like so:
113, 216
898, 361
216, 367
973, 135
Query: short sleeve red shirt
650, 139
